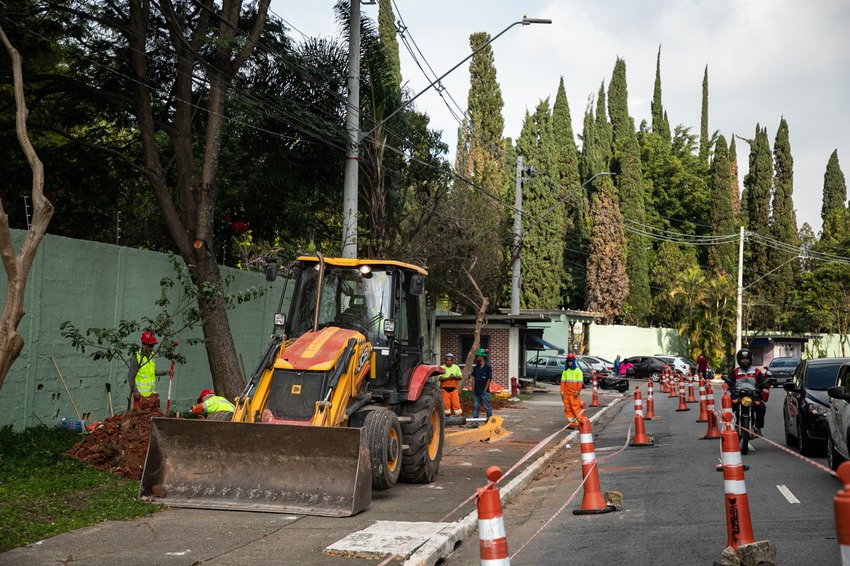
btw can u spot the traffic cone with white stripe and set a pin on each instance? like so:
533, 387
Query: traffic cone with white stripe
682, 406
665, 386
593, 503
691, 398
841, 505
703, 413
739, 527
594, 401
650, 403
674, 386
712, 431
726, 407
640, 439
492, 538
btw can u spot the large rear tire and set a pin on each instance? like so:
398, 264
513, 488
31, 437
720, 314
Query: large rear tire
383, 436
423, 436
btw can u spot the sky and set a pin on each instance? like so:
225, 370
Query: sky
766, 59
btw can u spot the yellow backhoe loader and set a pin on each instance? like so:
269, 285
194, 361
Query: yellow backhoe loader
342, 402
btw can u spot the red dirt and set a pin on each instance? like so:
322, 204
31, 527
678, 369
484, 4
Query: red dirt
120, 444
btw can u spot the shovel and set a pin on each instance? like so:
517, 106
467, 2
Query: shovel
170, 378
109, 396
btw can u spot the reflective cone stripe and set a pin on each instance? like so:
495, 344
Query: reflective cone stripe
674, 387
640, 438
650, 402
493, 541
841, 505
712, 431
703, 404
594, 402
691, 398
682, 406
593, 502
739, 528
726, 407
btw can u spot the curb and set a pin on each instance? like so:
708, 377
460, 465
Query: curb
442, 544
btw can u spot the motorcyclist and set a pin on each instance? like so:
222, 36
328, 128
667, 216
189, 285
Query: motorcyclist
745, 376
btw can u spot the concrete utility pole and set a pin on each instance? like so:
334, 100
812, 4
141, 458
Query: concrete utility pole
352, 126
740, 291
515, 275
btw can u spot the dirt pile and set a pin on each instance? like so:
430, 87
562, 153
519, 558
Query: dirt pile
120, 443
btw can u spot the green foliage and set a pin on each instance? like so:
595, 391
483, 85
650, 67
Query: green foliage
44, 493
660, 124
671, 260
834, 187
759, 186
122, 342
704, 141
783, 226
722, 257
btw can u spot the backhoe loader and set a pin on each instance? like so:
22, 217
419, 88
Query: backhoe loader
342, 402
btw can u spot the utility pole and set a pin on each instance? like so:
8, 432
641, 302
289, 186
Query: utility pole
740, 291
352, 126
517, 239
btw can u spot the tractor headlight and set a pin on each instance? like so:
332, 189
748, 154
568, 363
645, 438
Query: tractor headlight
279, 320
389, 327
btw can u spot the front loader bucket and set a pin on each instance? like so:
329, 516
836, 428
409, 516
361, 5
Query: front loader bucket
306, 470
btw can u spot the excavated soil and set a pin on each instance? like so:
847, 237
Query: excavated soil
120, 443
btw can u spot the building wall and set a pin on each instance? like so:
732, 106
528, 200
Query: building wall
500, 355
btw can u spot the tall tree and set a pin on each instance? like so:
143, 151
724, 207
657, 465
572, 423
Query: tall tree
607, 285
834, 189
543, 213
660, 124
722, 257
734, 186
759, 185
386, 32
704, 142
783, 222
627, 166
576, 226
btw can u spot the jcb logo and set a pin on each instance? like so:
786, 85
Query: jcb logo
361, 361
296, 389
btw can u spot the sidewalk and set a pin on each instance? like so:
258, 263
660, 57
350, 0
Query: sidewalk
192, 536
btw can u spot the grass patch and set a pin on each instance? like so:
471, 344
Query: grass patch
43, 493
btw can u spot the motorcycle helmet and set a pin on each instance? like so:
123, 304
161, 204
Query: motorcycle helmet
744, 358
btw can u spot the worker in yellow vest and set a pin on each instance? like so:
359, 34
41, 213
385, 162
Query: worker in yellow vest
142, 372
449, 382
572, 381
214, 407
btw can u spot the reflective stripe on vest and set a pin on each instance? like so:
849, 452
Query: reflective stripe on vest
146, 376
745, 379
572, 375
216, 404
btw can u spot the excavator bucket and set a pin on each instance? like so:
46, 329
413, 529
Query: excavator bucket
305, 470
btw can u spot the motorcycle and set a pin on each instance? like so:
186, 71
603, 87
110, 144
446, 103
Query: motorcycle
744, 403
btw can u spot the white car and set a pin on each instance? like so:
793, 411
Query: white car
838, 419
679, 363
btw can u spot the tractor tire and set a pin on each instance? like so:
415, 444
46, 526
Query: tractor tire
423, 436
383, 437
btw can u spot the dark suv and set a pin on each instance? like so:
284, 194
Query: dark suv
780, 370
647, 366
806, 403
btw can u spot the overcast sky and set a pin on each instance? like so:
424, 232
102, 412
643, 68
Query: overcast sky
766, 59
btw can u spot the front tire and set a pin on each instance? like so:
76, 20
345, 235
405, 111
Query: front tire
423, 436
383, 436
745, 434
803, 441
833, 458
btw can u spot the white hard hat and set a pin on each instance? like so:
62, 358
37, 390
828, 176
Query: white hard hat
449, 355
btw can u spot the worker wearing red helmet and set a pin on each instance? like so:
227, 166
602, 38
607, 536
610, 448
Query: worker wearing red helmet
142, 374
214, 407
572, 381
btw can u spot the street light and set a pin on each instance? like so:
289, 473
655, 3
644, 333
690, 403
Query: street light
349, 222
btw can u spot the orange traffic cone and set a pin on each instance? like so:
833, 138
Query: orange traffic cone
674, 386
594, 401
739, 528
726, 407
691, 398
665, 386
703, 413
682, 406
841, 504
650, 403
712, 431
640, 438
592, 503
491, 527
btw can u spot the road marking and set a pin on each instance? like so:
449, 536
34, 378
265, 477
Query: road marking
787, 493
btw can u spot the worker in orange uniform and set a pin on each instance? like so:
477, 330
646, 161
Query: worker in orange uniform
572, 381
449, 381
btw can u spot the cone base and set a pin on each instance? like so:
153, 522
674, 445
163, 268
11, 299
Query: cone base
641, 443
685, 409
702, 420
606, 509
707, 437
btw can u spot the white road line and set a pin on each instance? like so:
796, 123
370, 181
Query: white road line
787, 493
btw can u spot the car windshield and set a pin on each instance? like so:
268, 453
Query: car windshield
821, 377
780, 363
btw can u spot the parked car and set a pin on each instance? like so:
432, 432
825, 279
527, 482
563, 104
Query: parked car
838, 419
545, 368
597, 363
780, 370
679, 363
587, 370
647, 366
806, 403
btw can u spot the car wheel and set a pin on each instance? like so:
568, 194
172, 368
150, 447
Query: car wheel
803, 441
656, 377
790, 441
833, 458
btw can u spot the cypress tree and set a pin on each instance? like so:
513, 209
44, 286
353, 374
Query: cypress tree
734, 186
608, 283
783, 221
721, 257
759, 184
834, 187
386, 33
660, 125
576, 227
543, 213
604, 130
627, 166
703, 129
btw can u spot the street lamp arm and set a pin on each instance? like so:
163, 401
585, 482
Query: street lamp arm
524, 21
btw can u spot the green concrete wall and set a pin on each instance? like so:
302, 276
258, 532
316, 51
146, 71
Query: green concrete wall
97, 285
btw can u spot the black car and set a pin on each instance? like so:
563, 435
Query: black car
806, 403
780, 370
647, 366
617, 382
